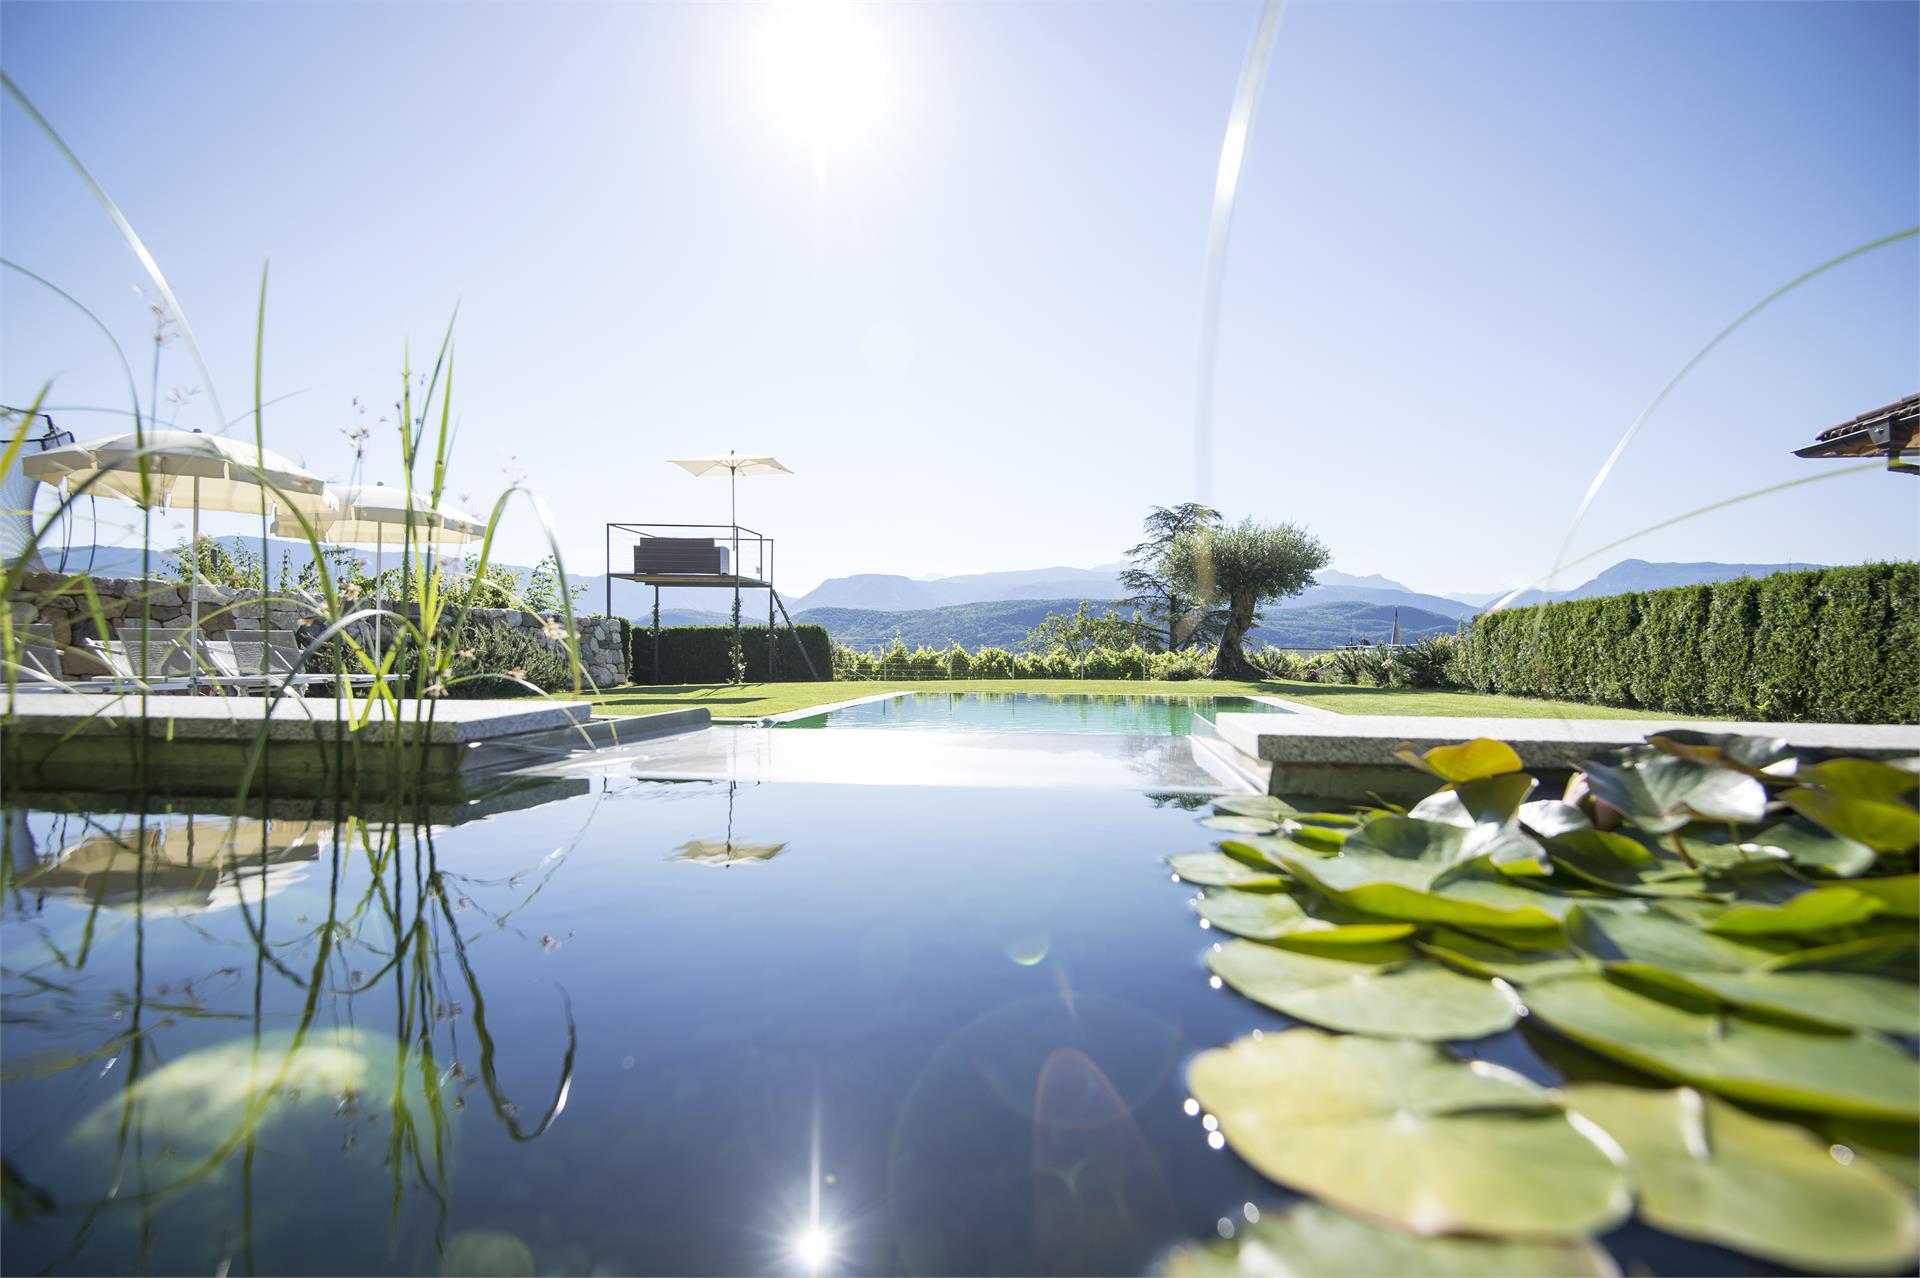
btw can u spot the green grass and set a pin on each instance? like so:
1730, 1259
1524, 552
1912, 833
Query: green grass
757, 700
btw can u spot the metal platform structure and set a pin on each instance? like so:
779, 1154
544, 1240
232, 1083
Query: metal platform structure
702, 556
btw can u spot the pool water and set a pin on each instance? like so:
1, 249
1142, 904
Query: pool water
640, 1027
1072, 713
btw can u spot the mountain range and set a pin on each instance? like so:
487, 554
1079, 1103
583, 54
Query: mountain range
997, 608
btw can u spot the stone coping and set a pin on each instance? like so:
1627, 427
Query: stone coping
239, 719
1540, 743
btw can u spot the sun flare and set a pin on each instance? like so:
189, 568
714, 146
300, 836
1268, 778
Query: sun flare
824, 71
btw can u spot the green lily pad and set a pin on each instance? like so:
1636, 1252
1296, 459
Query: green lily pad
1478, 956
1320, 840
1898, 895
1269, 916
1660, 792
1254, 805
1613, 861
1627, 931
1401, 1132
1819, 910
1267, 850
1844, 999
1888, 827
1415, 871
1862, 779
1723, 749
1857, 1074
1409, 998
1651, 947
1810, 847
1705, 1169
1468, 761
1315, 1239
1892, 1147
1217, 869
1240, 824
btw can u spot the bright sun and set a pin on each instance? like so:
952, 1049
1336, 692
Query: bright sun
824, 72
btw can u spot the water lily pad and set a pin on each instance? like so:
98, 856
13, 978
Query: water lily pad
1857, 1073
1889, 827
1723, 749
1315, 1239
1892, 1147
1810, 847
1403, 1133
1652, 947
1414, 871
1268, 916
1705, 1169
1254, 805
1613, 861
1240, 824
1662, 792
1468, 761
1844, 999
483, 1252
1624, 931
1819, 910
1478, 956
1898, 895
1217, 869
1550, 817
1863, 779
1409, 997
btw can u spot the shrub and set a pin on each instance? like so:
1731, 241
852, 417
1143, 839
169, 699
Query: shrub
1831, 644
959, 664
702, 654
1350, 665
1130, 662
1427, 664
1187, 663
992, 663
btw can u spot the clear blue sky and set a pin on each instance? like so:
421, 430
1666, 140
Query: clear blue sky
946, 261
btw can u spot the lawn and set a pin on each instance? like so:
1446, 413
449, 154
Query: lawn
757, 700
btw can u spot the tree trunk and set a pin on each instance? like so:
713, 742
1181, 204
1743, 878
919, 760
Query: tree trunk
1231, 662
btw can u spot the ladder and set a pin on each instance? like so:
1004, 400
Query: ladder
804, 654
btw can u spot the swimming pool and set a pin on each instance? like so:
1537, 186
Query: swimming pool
1060, 713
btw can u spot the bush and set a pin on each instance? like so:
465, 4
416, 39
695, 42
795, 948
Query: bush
702, 654
993, 663
1188, 663
1427, 664
1832, 644
1130, 662
959, 664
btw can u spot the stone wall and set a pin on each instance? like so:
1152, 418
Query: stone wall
72, 621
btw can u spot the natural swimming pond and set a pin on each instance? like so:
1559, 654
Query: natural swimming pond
1065, 713
639, 1027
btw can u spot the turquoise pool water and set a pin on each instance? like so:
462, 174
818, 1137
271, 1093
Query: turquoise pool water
1070, 713
622, 1027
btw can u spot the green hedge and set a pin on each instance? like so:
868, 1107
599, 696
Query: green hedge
1834, 645
701, 654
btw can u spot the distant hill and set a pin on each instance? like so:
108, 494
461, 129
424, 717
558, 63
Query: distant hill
890, 593
1004, 624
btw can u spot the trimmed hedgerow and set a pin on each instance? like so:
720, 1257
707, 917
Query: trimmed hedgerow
703, 654
1832, 644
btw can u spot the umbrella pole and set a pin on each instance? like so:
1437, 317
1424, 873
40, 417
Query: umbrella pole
733, 515
379, 549
193, 595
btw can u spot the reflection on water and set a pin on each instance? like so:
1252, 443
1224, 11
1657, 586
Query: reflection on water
1069, 713
476, 1037
487, 1038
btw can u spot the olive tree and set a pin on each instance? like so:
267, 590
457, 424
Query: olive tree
1239, 567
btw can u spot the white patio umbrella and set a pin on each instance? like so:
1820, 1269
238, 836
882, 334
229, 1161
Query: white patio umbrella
373, 514
217, 474
732, 466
